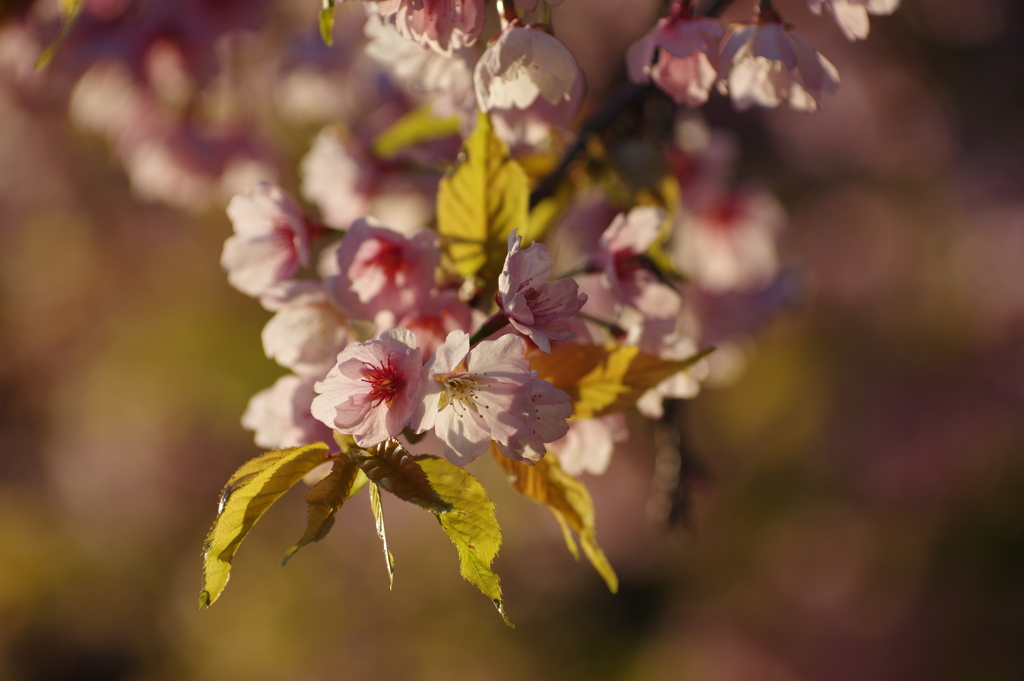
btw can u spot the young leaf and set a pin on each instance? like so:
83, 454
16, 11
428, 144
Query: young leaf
481, 202
606, 379
471, 525
396, 470
325, 498
249, 493
327, 21
417, 126
568, 499
69, 10
378, 517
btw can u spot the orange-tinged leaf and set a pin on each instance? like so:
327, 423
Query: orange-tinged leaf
568, 499
392, 467
325, 498
603, 380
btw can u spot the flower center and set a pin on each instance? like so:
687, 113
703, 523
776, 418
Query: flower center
385, 382
389, 259
459, 387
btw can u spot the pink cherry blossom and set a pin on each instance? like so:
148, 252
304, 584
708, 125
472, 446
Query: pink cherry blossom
682, 385
588, 446
852, 15
271, 239
440, 313
473, 397
522, 64
373, 390
625, 273
765, 63
308, 332
730, 244
686, 63
382, 270
551, 408
443, 25
532, 303
280, 415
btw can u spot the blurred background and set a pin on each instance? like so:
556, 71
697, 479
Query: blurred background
861, 514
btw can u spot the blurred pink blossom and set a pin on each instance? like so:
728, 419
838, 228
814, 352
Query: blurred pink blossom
588, 445
379, 269
270, 242
280, 415
440, 313
373, 390
765, 63
687, 56
852, 15
307, 332
730, 244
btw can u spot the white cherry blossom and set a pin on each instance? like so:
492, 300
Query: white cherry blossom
852, 15
522, 64
764, 62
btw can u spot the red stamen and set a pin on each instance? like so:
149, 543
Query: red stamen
385, 382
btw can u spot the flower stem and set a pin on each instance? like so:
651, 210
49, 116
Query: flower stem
495, 323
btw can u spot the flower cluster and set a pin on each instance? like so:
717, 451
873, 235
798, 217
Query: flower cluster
389, 338
762, 61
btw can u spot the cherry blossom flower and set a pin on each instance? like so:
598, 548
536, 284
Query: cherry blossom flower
382, 270
686, 66
551, 408
682, 385
443, 25
373, 390
280, 415
271, 239
522, 64
473, 397
439, 314
730, 245
346, 181
588, 446
625, 273
308, 332
532, 303
765, 63
852, 15
447, 80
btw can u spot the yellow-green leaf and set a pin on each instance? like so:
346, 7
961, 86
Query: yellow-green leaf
480, 203
471, 525
568, 499
378, 517
325, 498
418, 126
546, 213
606, 379
392, 467
249, 493
69, 10
327, 21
